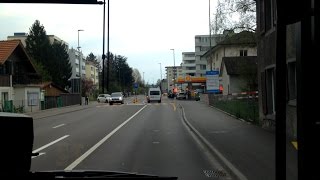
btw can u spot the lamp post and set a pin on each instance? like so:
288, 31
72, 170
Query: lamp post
174, 70
160, 77
210, 34
80, 59
160, 72
103, 42
143, 79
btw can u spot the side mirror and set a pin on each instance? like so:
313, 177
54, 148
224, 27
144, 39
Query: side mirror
16, 133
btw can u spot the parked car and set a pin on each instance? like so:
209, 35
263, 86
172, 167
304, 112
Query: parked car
116, 97
104, 98
181, 95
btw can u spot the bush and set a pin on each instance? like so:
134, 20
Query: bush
246, 109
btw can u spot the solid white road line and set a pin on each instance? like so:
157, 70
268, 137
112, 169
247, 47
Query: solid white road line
93, 148
58, 126
47, 145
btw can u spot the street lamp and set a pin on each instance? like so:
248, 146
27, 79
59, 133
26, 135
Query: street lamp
210, 33
160, 77
160, 71
79, 67
174, 70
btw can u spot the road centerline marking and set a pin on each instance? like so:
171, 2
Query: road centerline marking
58, 126
174, 106
93, 148
49, 144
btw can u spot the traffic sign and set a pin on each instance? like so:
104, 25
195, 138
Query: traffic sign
135, 85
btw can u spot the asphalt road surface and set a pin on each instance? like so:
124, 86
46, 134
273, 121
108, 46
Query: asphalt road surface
133, 137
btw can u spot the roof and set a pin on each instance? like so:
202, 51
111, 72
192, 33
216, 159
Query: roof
7, 48
244, 37
240, 64
46, 84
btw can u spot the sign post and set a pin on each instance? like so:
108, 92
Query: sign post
135, 86
212, 81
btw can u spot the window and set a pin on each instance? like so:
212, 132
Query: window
33, 98
243, 52
203, 67
154, 92
270, 97
260, 4
91, 68
198, 39
292, 82
204, 48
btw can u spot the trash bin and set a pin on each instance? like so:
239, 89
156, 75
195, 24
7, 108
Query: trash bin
197, 96
59, 102
8, 106
43, 105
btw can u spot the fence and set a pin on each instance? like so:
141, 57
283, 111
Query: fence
32, 105
241, 106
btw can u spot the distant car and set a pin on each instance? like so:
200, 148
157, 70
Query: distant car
116, 97
154, 94
181, 95
104, 98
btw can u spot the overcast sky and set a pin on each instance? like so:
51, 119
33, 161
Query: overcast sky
142, 30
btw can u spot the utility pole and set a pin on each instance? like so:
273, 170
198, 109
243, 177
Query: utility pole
80, 73
103, 55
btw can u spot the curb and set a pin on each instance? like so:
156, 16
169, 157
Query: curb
228, 165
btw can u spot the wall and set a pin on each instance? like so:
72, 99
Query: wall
230, 51
225, 81
236, 84
21, 98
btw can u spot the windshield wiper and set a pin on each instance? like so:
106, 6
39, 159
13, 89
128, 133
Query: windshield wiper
93, 174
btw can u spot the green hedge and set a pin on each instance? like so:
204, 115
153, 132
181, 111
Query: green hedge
246, 109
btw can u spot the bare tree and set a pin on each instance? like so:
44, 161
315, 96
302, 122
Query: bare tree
137, 76
236, 15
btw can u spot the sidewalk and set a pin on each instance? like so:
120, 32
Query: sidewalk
62, 110
249, 148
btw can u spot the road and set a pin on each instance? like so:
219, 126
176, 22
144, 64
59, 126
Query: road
133, 137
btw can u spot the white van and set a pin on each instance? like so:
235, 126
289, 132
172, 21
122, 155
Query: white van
154, 94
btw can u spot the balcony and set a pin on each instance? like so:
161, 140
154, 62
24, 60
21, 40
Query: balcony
189, 65
189, 71
24, 79
4, 80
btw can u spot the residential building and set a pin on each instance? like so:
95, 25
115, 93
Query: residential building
267, 35
23, 36
188, 64
239, 74
77, 61
234, 45
92, 73
18, 78
288, 46
173, 73
202, 45
241, 44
